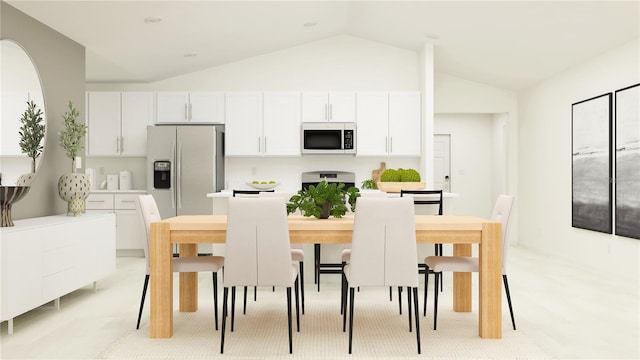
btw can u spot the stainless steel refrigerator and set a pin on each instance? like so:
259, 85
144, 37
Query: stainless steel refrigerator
184, 164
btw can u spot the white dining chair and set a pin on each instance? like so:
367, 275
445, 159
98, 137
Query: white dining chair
148, 213
383, 253
297, 252
438, 264
258, 253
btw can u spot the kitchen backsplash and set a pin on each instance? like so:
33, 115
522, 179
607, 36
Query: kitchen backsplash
239, 171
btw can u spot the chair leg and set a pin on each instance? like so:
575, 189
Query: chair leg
297, 292
316, 255
255, 293
244, 306
400, 299
390, 293
506, 289
417, 313
144, 294
426, 286
233, 307
342, 289
435, 300
302, 283
351, 296
409, 307
225, 294
344, 305
215, 298
289, 320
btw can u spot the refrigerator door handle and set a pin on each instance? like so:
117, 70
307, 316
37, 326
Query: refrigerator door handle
179, 175
173, 187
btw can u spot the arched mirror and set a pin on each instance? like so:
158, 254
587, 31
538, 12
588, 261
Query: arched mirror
21, 141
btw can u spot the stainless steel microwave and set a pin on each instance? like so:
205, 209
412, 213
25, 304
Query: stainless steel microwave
328, 138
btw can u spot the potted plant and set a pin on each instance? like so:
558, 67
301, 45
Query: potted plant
73, 187
324, 200
31, 134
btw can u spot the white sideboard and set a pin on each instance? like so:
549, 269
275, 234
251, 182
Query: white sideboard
42, 259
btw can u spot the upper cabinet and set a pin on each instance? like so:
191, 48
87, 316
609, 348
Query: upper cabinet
190, 107
117, 123
262, 124
328, 106
388, 124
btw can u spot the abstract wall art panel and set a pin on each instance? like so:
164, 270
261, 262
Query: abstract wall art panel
592, 186
627, 110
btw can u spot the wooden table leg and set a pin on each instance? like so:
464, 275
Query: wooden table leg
462, 282
161, 292
188, 282
490, 281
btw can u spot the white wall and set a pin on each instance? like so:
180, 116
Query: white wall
545, 164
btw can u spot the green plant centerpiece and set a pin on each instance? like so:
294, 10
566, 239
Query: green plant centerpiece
324, 200
395, 180
74, 187
31, 133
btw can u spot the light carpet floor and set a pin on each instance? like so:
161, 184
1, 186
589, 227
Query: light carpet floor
379, 332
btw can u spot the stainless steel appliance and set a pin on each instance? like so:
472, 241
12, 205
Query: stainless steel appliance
328, 138
184, 163
313, 178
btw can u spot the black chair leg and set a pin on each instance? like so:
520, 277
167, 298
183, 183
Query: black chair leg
215, 298
435, 301
225, 294
289, 320
297, 292
506, 289
409, 295
233, 307
390, 293
351, 296
244, 307
400, 299
144, 294
343, 285
426, 285
255, 293
302, 283
344, 305
417, 313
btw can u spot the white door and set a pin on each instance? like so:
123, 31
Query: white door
342, 107
442, 162
404, 124
137, 114
281, 123
243, 128
172, 107
315, 107
206, 107
373, 123
104, 123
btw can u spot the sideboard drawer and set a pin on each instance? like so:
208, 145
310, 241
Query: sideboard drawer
99, 202
126, 201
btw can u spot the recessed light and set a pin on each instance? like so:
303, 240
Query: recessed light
432, 36
310, 24
153, 19
188, 55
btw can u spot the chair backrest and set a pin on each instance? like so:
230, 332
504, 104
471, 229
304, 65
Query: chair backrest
249, 192
257, 250
383, 248
502, 213
148, 213
433, 200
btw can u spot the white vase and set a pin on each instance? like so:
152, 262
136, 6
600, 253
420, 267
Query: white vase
74, 188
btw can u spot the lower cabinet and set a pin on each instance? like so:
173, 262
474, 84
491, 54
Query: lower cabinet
129, 231
42, 259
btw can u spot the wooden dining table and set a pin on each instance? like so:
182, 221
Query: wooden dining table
462, 231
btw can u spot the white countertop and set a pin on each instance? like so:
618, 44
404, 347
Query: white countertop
229, 193
118, 191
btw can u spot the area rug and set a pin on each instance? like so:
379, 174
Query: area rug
379, 332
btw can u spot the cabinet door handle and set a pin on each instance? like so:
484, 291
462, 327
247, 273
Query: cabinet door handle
326, 111
190, 112
121, 145
265, 144
390, 144
127, 201
386, 144
186, 114
330, 111
95, 201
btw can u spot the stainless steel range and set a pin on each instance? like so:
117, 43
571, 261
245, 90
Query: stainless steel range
313, 178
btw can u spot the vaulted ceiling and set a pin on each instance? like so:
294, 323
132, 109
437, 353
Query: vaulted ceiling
510, 44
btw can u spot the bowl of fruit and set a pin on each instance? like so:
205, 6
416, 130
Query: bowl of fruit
263, 185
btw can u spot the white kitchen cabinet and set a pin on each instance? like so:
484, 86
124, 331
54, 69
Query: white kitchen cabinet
281, 124
129, 230
405, 128
190, 108
243, 127
329, 106
262, 124
42, 259
388, 124
117, 123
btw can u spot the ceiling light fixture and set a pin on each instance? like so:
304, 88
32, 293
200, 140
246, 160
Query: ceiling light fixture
188, 55
153, 19
432, 36
310, 24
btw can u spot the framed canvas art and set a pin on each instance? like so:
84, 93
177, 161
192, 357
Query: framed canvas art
627, 110
592, 185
